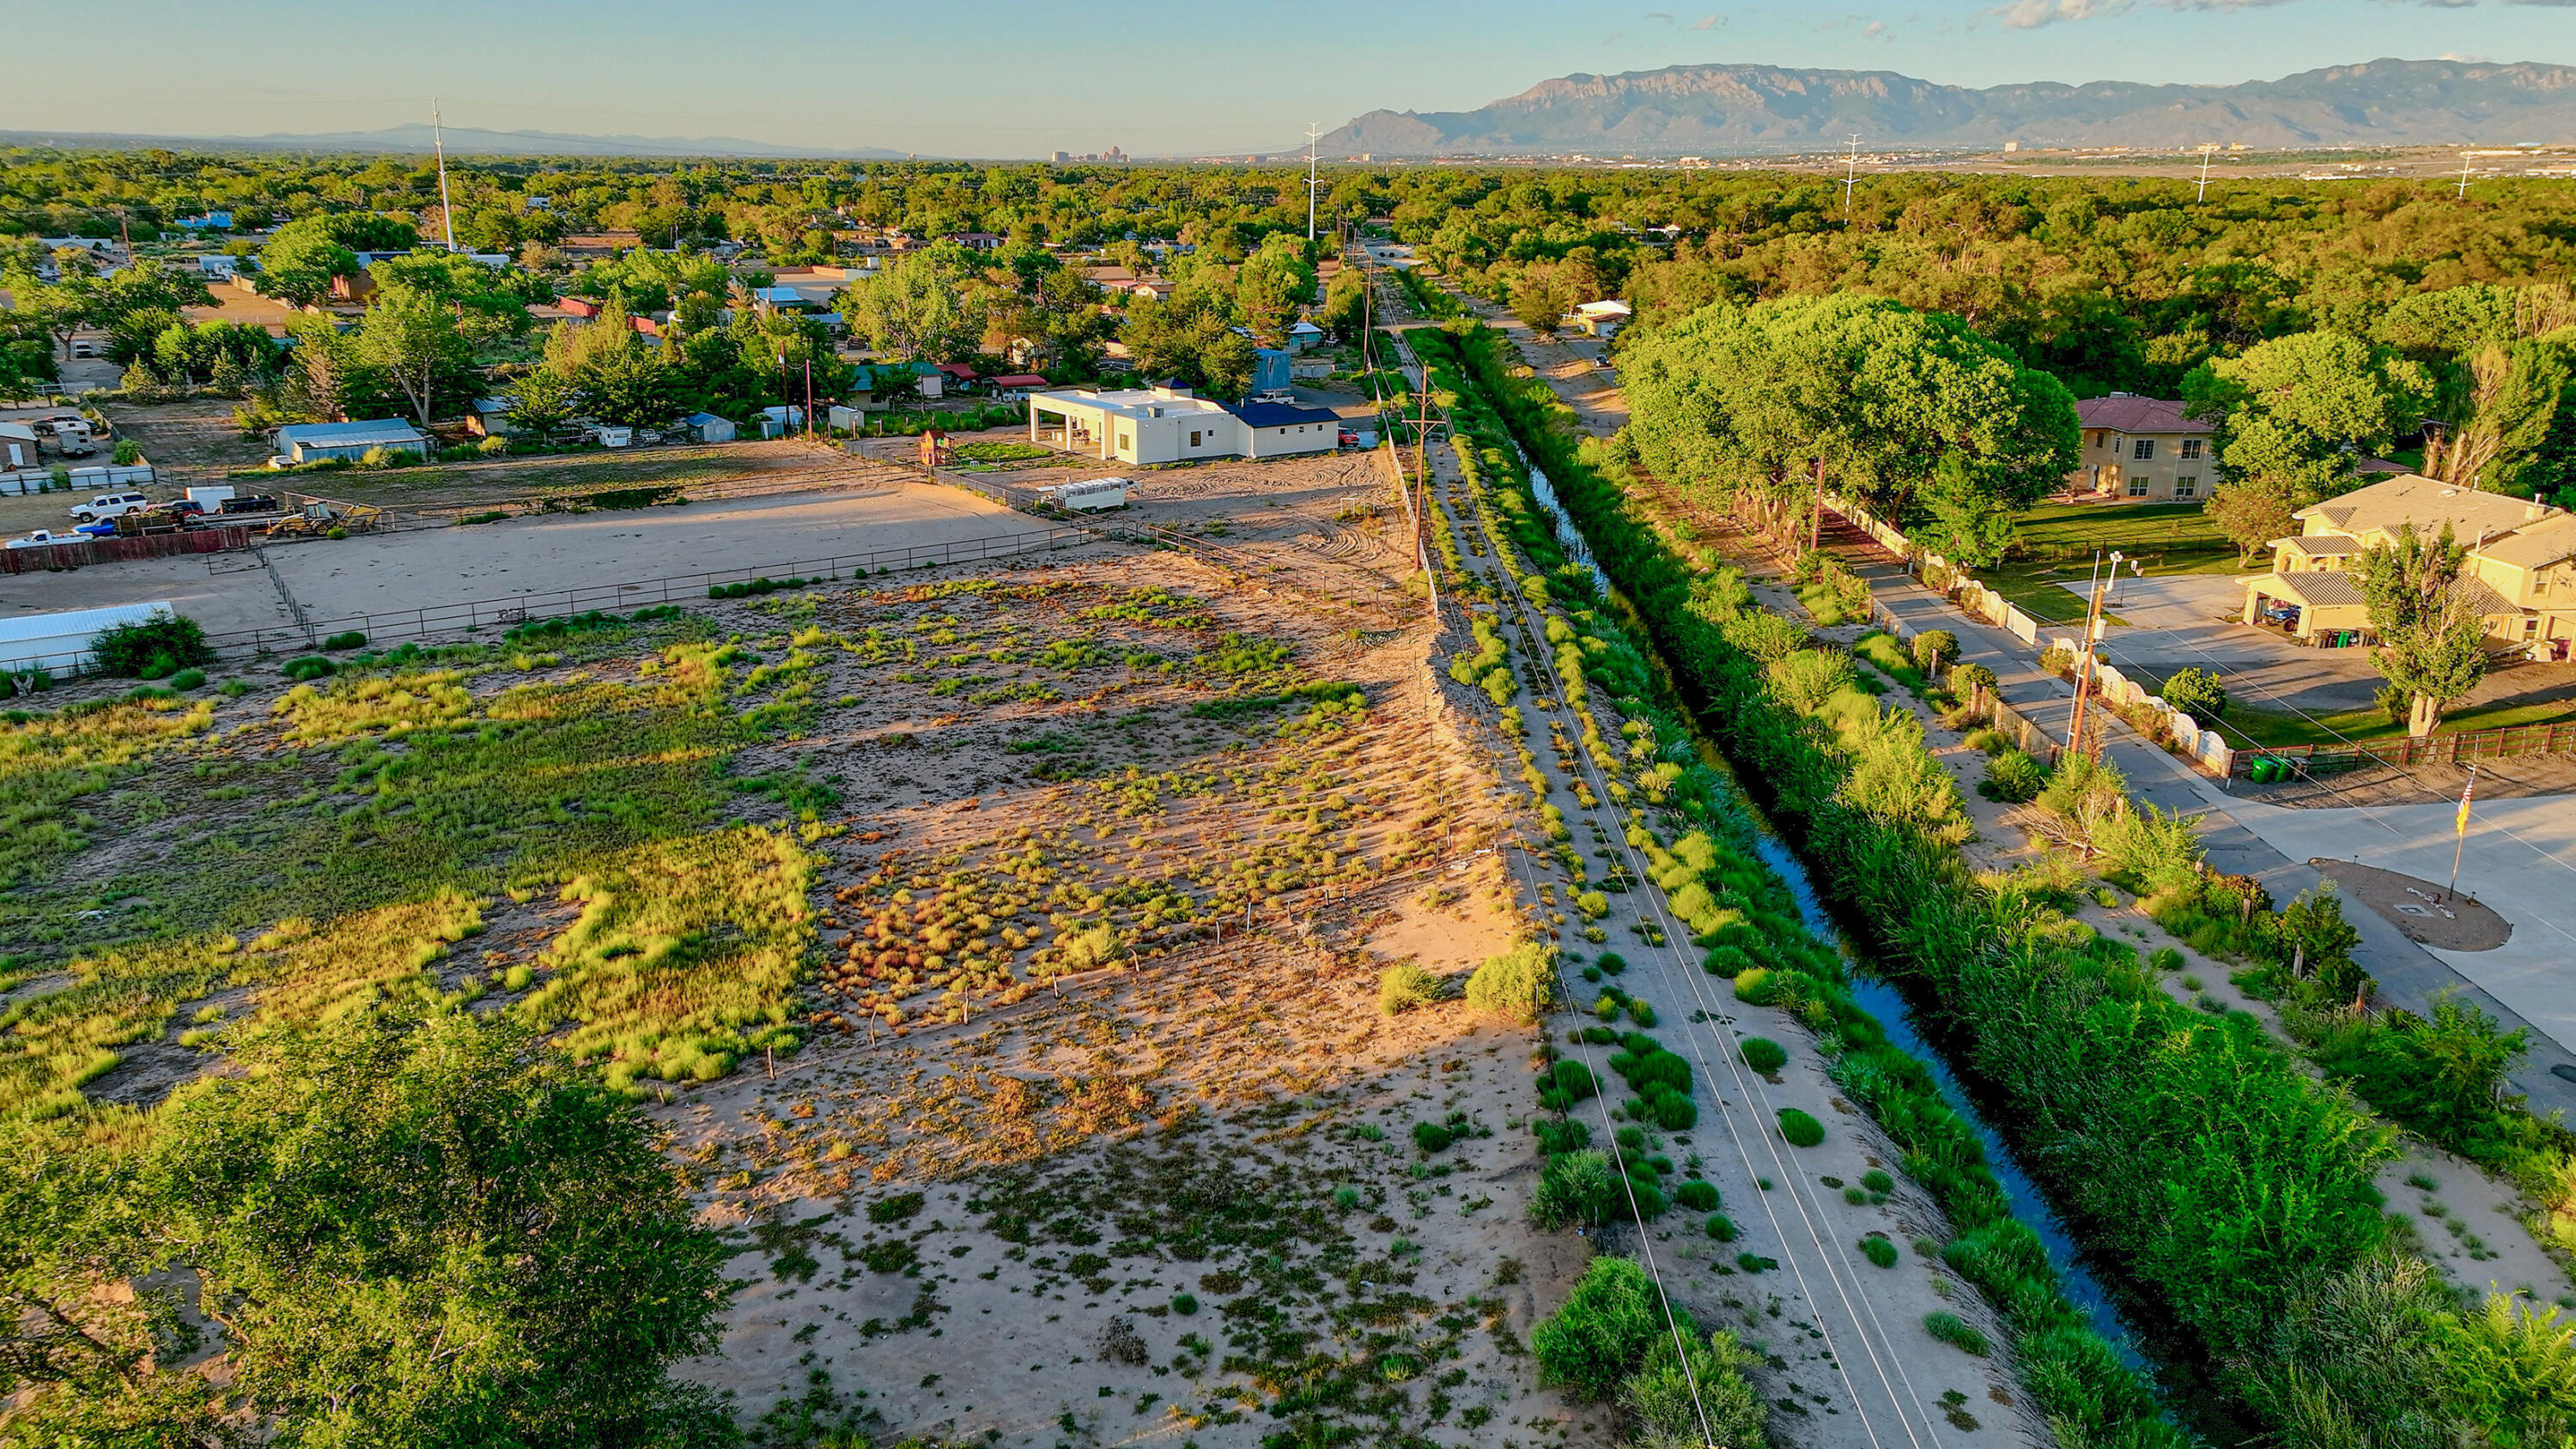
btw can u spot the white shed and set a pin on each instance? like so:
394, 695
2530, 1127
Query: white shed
61, 640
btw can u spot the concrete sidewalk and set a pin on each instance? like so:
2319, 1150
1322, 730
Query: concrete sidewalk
2408, 974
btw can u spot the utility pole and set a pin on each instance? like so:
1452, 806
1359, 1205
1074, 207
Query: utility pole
2092, 635
1312, 135
2464, 176
2203, 193
438, 143
1851, 173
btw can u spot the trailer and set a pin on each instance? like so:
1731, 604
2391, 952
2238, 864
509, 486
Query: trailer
1088, 496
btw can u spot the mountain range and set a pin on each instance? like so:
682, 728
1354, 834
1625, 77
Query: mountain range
1714, 110
460, 141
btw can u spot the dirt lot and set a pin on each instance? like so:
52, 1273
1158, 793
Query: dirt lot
1015, 1188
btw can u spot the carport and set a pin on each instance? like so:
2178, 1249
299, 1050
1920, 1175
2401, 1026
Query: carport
2329, 608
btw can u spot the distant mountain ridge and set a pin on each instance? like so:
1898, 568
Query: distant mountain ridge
460, 141
1710, 110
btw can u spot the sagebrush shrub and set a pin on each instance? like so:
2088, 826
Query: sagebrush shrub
1764, 1055
1879, 1251
1721, 1227
1430, 1136
1699, 1195
1800, 1129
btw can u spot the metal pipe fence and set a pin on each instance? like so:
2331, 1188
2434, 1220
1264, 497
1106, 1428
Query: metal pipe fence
517, 609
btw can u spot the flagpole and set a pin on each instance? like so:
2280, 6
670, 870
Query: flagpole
2461, 828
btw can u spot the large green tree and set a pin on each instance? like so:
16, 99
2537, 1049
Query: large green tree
439, 1232
408, 1231
927, 306
2306, 408
2422, 603
1274, 282
1863, 393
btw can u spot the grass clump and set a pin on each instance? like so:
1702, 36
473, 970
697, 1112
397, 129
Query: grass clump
1800, 1129
1764, 1055
1951, 1329
1879, 1251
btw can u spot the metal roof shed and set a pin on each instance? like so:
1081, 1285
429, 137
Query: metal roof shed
62, 640
312, 442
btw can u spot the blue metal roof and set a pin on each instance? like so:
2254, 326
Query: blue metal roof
342, 435
1280, 415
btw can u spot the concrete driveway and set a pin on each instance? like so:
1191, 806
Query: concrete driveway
2180, 619
2519, 860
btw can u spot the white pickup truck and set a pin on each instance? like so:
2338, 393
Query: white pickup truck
44, 537
111, 505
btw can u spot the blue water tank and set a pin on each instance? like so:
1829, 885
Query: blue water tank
1269, 369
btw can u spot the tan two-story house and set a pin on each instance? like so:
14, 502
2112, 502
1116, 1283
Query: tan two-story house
2521, 563
2141, 450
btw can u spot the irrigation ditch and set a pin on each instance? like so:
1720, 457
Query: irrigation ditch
2132, 1323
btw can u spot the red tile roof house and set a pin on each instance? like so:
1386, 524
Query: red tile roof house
1018, 384
2141, 450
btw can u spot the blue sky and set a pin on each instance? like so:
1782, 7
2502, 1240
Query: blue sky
1019, 78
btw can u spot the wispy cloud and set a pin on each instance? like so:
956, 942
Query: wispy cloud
1658, 15
2031, 14
1708, 22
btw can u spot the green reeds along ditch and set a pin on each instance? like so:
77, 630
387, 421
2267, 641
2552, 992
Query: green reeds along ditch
2231, 1188
1753, 933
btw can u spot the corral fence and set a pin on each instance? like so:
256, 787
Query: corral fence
520, 608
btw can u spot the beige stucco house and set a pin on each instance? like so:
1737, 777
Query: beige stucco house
1170, 425
2522, 563
2141, 450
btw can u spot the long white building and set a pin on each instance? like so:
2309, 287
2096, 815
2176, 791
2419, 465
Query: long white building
1170, 425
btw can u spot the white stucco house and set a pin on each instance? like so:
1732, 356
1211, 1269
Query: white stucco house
1170, 425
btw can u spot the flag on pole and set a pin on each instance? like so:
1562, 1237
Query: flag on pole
2467, 792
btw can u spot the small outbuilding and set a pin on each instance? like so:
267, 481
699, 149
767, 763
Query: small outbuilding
314, 442
62, 640
708, 428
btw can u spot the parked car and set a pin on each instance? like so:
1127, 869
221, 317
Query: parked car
105, 527
110, 505
41, 538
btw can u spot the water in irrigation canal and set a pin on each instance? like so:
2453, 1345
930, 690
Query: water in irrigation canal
1884, 1002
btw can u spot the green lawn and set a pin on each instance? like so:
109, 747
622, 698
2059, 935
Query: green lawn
2058, 540
2268, 728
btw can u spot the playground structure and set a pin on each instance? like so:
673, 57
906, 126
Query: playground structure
938, 450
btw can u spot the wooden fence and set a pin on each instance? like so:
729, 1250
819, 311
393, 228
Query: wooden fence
2451, 749
85, 552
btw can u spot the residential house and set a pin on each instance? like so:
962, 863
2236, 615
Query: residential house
2521, 566
2141, 449
314, 442
1304, 336
979, 241
1170, 425
1600, 319
1016, 385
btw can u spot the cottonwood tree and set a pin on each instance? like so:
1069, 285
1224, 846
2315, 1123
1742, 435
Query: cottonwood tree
543, 402
2252, 511
1274, 283
2422, 604
438, 1231
926, 305
2302, 410
1862, 393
